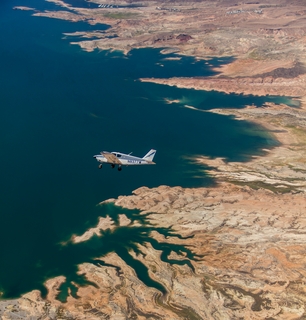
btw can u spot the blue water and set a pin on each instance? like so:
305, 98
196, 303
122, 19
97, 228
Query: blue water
60, 106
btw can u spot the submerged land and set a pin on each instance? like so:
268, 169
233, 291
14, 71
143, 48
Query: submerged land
247, 233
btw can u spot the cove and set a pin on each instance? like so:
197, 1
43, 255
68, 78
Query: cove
59, 106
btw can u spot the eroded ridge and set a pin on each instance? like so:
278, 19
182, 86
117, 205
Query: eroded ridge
250, 261
259, 30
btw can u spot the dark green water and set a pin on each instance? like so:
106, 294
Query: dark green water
60, 106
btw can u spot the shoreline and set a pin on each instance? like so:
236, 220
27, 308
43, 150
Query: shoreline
295, 88
249, 229
253, 249
283, 168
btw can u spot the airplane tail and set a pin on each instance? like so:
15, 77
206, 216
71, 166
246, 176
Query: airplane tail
150, 155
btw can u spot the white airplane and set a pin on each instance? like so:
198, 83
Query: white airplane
120, 159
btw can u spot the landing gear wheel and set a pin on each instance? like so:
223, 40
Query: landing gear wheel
113, 166
119, 168
100, 166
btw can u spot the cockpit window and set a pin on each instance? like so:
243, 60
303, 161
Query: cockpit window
118, 155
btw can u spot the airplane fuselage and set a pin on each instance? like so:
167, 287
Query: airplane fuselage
122, 159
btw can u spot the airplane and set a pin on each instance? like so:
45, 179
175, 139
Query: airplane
120, 159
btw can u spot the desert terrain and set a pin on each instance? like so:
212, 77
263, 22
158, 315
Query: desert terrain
247, 233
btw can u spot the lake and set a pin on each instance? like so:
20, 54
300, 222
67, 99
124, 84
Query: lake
59, 107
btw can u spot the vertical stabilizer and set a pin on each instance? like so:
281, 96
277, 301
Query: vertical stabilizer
150, 155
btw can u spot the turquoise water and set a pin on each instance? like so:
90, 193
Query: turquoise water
60, 106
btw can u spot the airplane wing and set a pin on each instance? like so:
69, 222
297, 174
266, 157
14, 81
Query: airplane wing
111, 158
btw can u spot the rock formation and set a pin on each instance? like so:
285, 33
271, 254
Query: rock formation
248, 261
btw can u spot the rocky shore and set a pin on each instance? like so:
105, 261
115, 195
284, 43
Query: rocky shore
248, 263
261, 86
